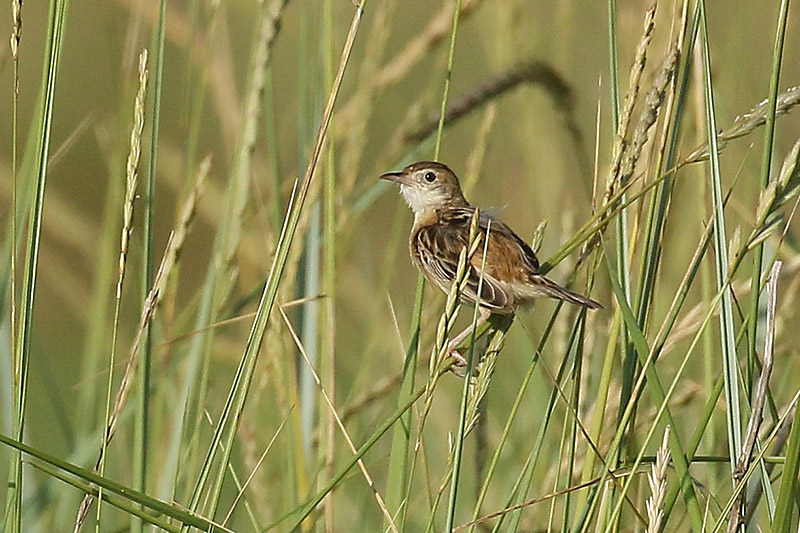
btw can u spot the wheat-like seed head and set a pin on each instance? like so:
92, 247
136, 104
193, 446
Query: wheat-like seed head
657, 479
747, 123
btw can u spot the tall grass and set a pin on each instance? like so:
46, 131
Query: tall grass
289, 367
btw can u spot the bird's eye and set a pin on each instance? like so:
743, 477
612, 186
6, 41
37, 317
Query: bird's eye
430, 176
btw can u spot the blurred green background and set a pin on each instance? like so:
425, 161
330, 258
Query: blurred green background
526, 168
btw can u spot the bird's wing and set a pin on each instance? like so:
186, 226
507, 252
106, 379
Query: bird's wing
438, 247
500, 231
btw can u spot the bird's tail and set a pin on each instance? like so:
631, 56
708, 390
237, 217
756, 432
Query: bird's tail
552, 289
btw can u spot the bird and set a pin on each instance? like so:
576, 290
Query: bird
441, 229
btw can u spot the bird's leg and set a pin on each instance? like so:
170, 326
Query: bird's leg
458, 339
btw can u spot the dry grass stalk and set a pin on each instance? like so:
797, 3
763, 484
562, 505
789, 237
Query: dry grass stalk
185, 218
168, 261
132, 178
747, 123
434, 32
148, 310
362, 102
781, 437
479, 382
16, 27
477, 156
624, 121
132, 169
170, 258
757, 416
339, 422
649, 115
268, 30
439, 361
251, 478
693, 318
657, 479
777, 193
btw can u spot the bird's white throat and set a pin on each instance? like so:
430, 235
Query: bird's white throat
422, 201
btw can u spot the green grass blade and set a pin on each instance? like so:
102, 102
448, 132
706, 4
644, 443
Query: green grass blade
171, 510
397, 476
758, 253
462, 420
55, 35
242, 380
124, 505
299, 515
329, 265
142, 425
215, 289
766, 165
727, 336
788, 495
414, 347
657, 390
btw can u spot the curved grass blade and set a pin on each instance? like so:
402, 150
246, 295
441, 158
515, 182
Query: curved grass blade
173, 511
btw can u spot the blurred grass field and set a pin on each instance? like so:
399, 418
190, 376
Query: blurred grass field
278, 205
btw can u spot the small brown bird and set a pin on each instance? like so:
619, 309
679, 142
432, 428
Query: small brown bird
441, 229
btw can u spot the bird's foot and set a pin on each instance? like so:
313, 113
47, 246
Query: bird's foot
459, 363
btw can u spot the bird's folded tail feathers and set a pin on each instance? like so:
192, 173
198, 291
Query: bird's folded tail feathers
554, 290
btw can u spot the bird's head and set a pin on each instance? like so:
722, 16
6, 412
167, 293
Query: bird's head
427, 186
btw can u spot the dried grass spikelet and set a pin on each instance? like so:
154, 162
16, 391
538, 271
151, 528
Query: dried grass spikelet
148, 310
16, 27
657, 479
185, 218
778, 192
131, 180
623, 124
477, 155
538, 236
448, 318
168, 261
132, 168
438, 360
269, 26
479, 382
649, 115
626, 153
747, 123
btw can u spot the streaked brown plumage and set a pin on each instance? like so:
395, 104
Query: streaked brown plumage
441, 230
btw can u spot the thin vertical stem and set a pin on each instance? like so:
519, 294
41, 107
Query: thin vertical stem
729, 359
55, 34
766, 165
329, 281
141, 440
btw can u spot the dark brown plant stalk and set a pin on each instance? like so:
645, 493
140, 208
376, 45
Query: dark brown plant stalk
535, 72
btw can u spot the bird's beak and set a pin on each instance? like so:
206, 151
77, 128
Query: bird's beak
397, 177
